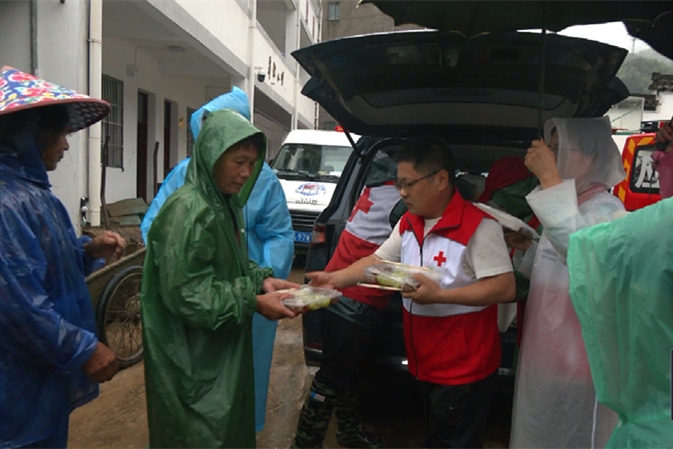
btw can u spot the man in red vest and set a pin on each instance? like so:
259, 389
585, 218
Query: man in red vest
451, 333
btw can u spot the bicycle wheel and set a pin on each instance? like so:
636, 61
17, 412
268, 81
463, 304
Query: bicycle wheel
118, 316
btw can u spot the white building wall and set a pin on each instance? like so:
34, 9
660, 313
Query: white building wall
15, 38
310, 17
62, 46
227, 20
69, 22
183, 91
275, 134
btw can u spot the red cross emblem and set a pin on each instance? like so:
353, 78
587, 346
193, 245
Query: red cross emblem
364, 204
440, 258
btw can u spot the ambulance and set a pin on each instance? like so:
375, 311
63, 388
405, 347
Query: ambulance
309, 165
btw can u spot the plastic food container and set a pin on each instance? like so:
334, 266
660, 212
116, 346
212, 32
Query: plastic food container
397, 276
311, 298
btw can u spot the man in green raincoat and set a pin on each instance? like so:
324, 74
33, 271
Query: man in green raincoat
199, 293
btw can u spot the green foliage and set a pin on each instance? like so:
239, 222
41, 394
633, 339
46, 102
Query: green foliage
636, 72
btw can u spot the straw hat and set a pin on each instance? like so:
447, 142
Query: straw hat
20, 91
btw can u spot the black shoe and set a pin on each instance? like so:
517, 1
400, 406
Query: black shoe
361, 439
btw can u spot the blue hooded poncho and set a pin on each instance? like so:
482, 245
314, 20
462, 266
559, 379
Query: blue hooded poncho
269, 236
47, 323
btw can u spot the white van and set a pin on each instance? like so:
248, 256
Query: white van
309, 164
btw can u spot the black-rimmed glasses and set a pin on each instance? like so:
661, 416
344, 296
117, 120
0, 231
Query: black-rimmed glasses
399, 185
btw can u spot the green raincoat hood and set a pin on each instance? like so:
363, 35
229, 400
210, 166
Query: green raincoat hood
220, 132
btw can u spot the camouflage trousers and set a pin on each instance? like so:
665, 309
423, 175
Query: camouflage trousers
317, 412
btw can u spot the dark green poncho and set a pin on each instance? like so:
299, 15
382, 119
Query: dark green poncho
198, 297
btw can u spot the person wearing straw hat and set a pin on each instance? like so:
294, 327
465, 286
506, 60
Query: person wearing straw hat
50, 358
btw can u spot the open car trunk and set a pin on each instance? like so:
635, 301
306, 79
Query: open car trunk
481, 92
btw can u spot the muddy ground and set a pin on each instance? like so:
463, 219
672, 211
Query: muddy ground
391, 404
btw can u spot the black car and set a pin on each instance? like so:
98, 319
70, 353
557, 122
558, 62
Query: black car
482, 95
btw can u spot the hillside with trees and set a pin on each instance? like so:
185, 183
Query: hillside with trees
636, 72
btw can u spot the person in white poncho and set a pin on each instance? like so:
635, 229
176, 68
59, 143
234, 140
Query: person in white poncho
555, 402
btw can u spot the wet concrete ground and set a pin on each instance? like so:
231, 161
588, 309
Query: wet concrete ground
390, 401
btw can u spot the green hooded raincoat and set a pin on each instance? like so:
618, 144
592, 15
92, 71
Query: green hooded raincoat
198, 297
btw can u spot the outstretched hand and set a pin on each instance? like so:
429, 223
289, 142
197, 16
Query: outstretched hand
321, 279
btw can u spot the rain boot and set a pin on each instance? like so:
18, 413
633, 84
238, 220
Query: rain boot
350, 430
315, 416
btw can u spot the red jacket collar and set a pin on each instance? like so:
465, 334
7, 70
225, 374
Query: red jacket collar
452, 217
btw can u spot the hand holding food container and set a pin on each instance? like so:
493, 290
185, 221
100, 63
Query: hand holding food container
307, 298
397, 276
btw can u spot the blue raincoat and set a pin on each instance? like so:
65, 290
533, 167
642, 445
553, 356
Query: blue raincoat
47, 322
269, 233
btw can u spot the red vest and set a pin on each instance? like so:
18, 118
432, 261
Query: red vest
448, 344
368, 227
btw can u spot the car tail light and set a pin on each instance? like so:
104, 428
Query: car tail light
315, 345
318, 237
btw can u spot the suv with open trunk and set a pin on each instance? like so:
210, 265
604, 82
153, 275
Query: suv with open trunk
481, 95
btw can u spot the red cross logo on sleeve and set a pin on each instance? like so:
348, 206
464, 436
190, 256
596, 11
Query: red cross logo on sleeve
364, 204
439, 258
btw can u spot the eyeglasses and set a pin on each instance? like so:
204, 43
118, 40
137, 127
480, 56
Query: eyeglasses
399, 185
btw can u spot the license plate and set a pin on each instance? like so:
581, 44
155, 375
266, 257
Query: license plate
302, 237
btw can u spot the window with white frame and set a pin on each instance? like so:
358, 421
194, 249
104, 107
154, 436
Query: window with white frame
329, 125
334, 10
113, 123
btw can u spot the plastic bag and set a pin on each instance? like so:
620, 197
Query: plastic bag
310, 298
398, 276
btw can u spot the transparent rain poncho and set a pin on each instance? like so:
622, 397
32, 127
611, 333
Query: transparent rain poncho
555, 402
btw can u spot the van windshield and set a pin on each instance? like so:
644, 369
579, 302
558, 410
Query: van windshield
307, 161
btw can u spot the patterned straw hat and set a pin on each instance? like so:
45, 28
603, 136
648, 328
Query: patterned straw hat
19, 91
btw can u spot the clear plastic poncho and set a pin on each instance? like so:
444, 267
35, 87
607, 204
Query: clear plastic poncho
587, 153
555, 403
